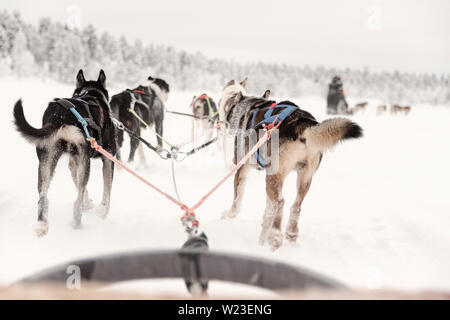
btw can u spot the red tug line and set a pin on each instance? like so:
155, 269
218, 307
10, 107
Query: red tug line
189, 212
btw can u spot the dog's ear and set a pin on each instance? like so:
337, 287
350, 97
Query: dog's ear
266, 94
102, 78
150, 78
239, 97
230, 83
193, 99
80, 79
244, 83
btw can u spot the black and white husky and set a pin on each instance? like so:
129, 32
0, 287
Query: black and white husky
205, 110
150, 99
62, 133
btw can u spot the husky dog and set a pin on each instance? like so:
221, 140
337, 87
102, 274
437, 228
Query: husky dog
150, 99
406, 110
399, 109
395, 108
359, 107
381, 109
205, 109
302, 141
61, 133
230, 88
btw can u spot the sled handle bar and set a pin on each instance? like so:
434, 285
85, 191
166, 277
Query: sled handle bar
252, 271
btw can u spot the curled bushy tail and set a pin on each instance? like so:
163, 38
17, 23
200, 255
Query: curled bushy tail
30, 133
328, 133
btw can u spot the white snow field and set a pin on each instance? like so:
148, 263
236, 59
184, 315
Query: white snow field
377, 214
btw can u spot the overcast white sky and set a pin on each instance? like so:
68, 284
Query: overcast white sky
406, 35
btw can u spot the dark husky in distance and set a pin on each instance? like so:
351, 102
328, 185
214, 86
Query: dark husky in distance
62, 133
151, 97
302, 141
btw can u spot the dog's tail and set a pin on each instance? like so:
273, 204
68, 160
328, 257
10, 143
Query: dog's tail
30, 133
325, 135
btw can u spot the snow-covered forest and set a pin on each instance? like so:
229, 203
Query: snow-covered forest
53, 50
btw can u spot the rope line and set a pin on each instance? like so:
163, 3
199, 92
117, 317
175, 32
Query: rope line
174, 181
236, 167
108, 155
188, 220
190, 140
148, 127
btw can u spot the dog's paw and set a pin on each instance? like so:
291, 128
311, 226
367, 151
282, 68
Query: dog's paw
76, 224
291, 236
229, 166
142, 166
275, 239
88, 204
102, 211
230, 214
262, 237
41, 228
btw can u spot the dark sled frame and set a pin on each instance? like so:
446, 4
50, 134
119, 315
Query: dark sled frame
109, 269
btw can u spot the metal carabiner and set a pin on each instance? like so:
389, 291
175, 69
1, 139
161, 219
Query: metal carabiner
174, 152
164, 154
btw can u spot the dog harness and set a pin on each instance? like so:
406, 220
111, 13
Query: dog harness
270, 119
85, 122
211, 113
134, 100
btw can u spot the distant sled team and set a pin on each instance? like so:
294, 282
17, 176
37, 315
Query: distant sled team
89, 113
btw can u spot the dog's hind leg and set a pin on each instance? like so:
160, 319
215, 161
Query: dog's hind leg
119, 143
223, 133
193, 132
159, 129
207, 125
239, 184
134, 143
82, 172
108, 174
302, 188
87, 202
47, 165
141, 154
273, 214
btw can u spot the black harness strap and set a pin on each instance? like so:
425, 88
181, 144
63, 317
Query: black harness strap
67, 104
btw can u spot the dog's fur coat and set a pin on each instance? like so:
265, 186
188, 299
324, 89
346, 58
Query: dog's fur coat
151, 110
62, 133
302, 141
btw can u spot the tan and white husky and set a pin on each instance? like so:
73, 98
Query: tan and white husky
301, 142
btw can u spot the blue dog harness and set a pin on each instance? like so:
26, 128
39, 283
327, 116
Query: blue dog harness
84, 122
269, 118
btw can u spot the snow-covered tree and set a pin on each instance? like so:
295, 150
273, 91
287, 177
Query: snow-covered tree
58, 52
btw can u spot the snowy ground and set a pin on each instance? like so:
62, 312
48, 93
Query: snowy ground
377, 214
